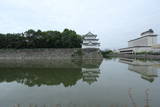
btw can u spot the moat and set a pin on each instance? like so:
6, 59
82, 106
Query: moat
118, 82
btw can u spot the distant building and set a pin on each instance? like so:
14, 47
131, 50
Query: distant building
145, 43
90, 41
147, 38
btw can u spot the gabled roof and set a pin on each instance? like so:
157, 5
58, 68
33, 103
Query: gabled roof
90, 34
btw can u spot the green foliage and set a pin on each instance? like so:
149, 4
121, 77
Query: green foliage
39, 39
38, 77
106, 53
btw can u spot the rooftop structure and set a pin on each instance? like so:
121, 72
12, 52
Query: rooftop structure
149, 32
90, 41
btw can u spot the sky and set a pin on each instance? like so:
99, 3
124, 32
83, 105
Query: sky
114, 21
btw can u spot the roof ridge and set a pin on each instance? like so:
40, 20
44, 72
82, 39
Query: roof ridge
90, 34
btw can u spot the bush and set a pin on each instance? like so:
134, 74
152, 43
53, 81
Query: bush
106, 52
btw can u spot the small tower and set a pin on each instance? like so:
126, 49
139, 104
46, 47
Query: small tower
90, 41
147, 33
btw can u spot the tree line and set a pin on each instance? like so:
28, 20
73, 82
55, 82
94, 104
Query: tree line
41, 39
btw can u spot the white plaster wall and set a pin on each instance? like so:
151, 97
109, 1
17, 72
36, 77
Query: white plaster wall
152, 41
145, 41
84, 46
88, 41
142, 49
130, 44
139, 42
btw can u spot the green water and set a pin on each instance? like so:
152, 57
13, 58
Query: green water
75, 83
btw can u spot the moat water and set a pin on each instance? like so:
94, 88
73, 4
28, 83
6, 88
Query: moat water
116, 82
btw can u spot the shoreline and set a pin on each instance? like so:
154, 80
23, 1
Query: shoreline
136, 56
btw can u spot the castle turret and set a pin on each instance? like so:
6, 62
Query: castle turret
90, 41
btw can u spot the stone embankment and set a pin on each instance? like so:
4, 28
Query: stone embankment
72, 53
138, 56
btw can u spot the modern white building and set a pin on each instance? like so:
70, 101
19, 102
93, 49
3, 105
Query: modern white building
90, 41
145, 43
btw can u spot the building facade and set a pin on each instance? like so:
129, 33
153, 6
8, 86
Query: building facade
90, 41
144, 43
147, 38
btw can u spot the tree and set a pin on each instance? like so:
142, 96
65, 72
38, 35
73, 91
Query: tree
41, 39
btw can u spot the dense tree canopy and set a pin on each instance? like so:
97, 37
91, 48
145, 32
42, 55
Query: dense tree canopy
38, 39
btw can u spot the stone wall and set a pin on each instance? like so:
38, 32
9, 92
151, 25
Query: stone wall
73, 53
91, 54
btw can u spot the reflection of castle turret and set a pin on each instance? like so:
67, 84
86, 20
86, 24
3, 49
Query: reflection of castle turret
91, 71
90, 75
147, 70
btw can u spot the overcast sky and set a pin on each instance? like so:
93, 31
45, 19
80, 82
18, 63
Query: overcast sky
114, 21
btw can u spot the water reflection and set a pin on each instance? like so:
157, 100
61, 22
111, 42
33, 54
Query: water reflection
90, 75
49, 72
90, 71
147, 69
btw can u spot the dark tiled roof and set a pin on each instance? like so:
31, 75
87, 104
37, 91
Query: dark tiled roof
149, 31
90, 34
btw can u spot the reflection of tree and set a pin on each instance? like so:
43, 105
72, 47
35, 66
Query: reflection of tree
32, 77
46, 72
35, 76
